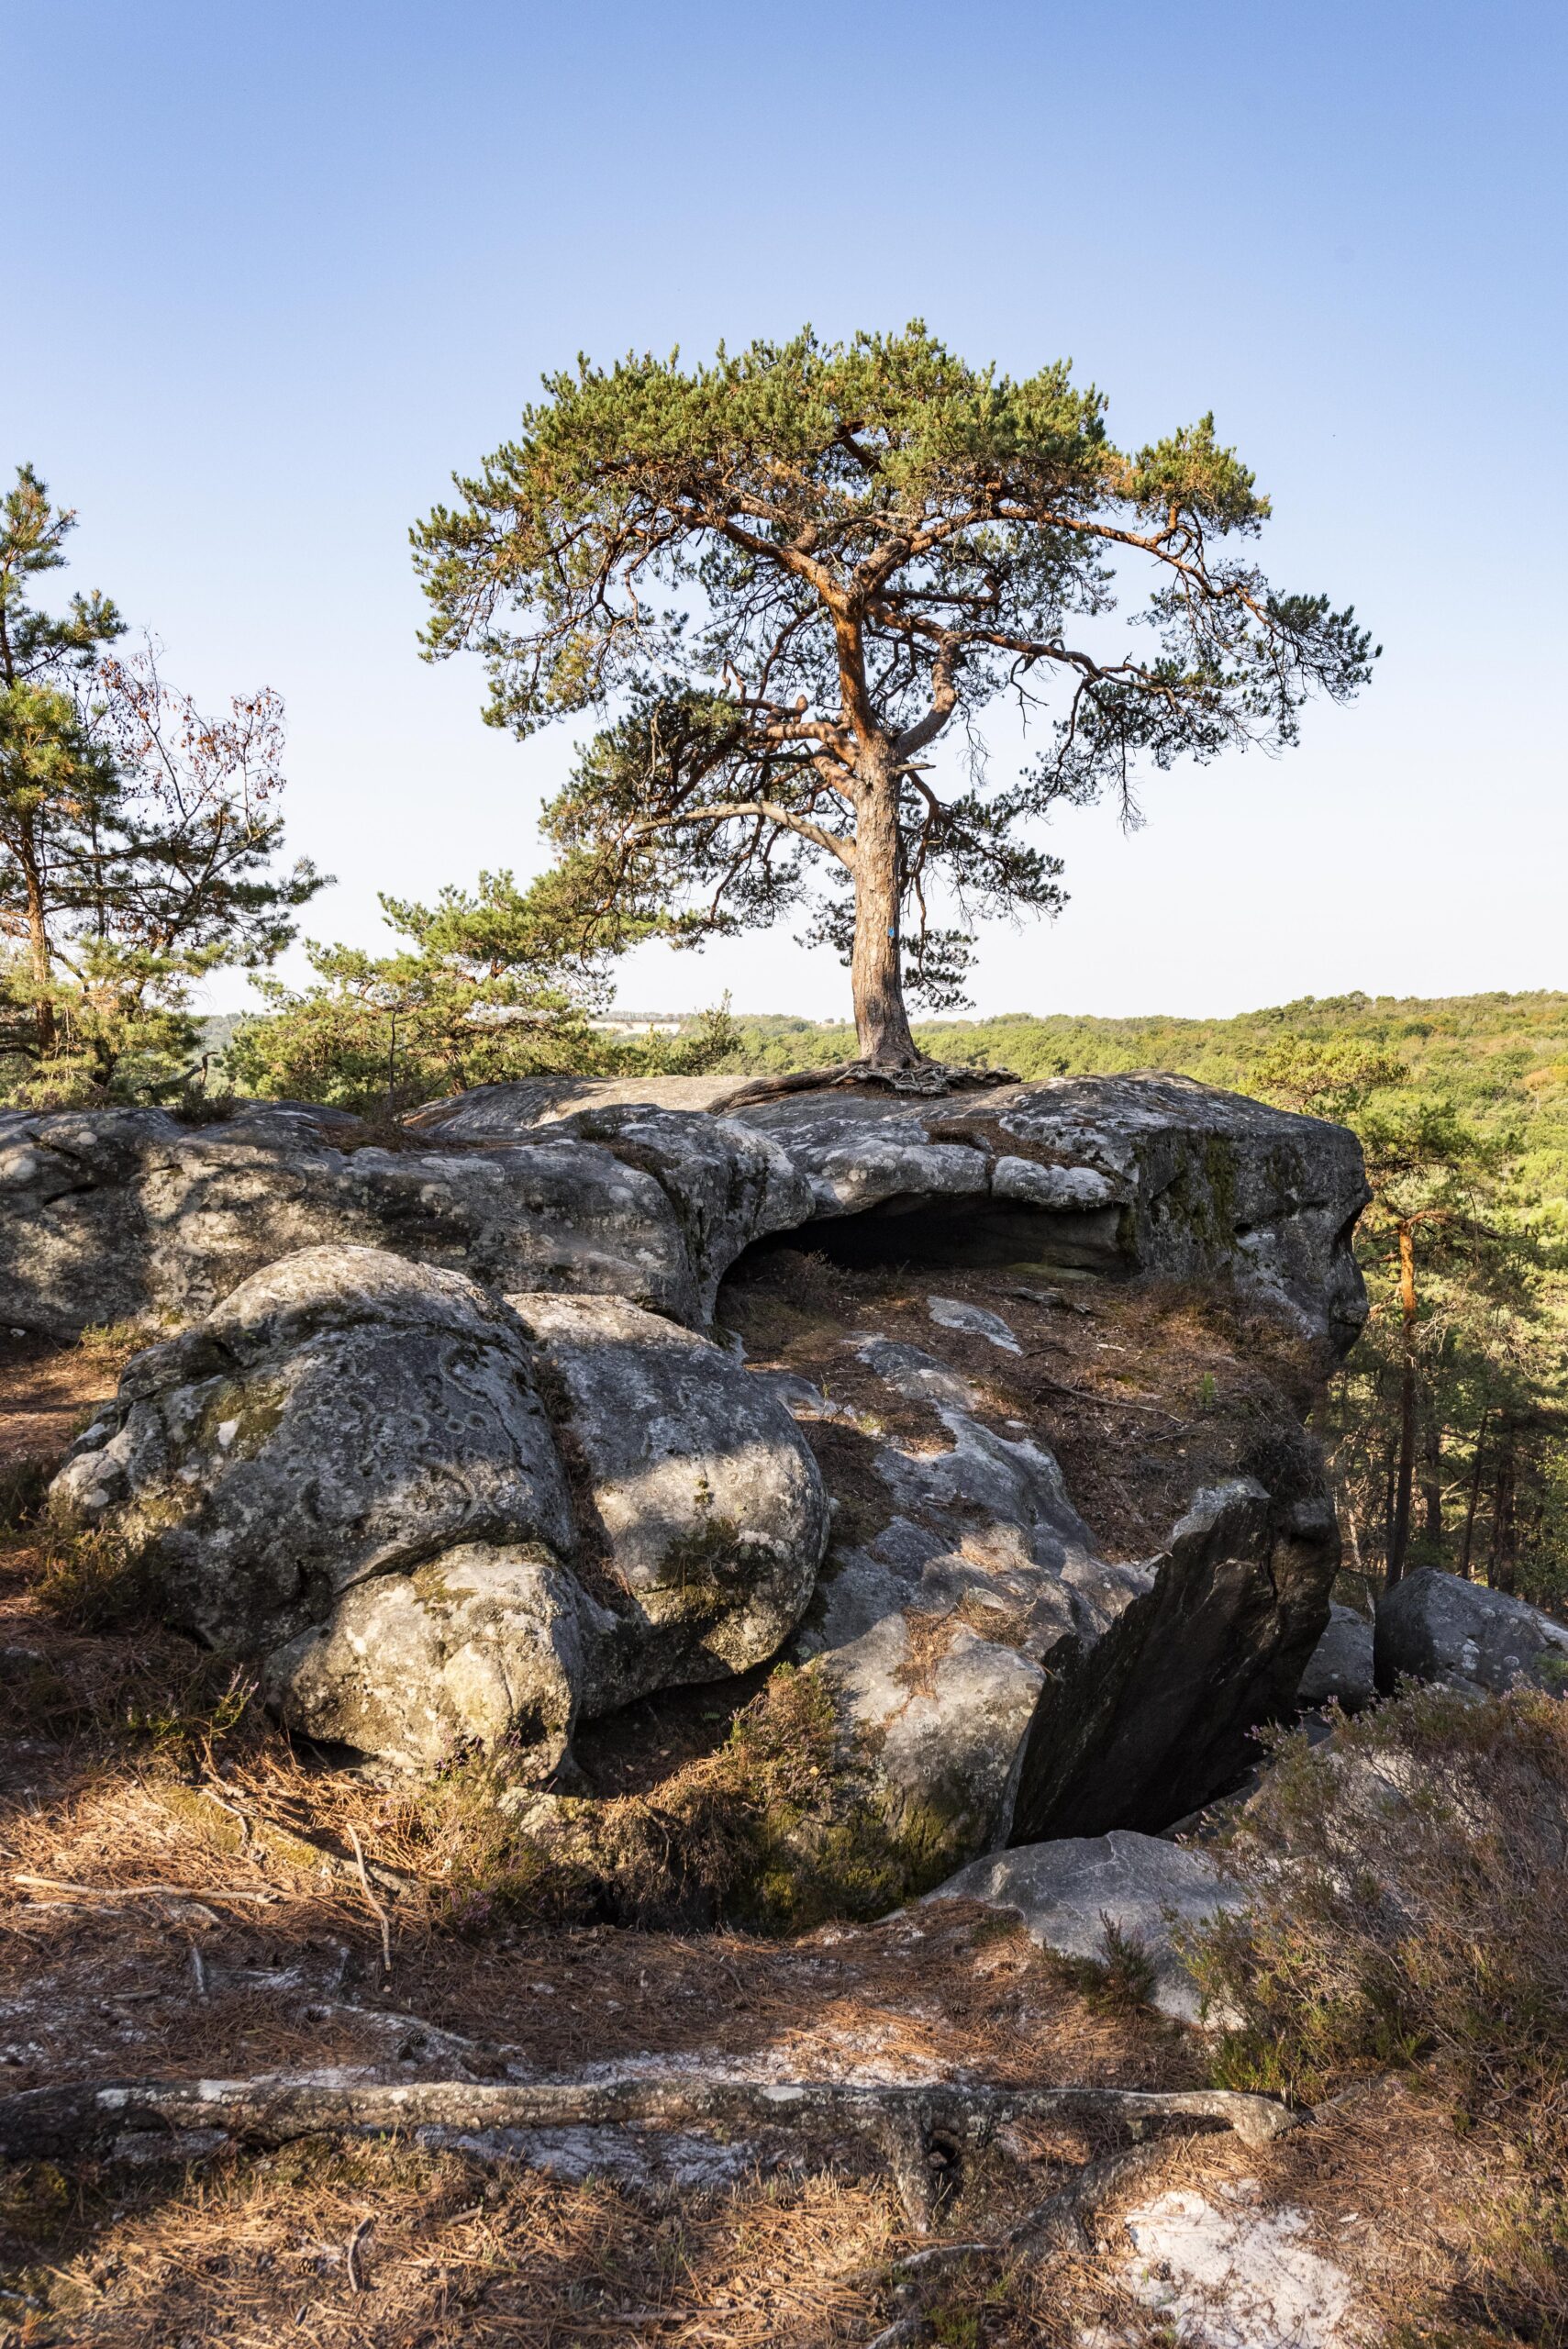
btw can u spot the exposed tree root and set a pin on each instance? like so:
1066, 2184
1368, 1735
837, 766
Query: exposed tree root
921, 2133
1057, 2223
930, 1079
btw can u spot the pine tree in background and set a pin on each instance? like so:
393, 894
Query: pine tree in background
494, 985
138, 837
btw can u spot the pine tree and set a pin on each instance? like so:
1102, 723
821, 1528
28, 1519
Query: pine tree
784, 577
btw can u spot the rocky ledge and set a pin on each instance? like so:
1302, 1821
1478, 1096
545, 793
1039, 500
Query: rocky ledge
989, 1418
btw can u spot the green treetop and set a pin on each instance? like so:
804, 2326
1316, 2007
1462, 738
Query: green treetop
137, 835
784, 576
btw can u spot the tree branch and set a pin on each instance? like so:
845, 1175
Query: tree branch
719, 811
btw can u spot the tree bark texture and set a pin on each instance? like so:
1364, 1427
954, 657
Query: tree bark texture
1431, 1475
1503, 1555
1474, 1499
918, 2132
876, 972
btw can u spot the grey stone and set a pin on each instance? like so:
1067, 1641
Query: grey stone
1118, 1174
341, 1415
1142, 1888
483, 1646
952, 1313
934, 1715
562, 1184
707, 1504
347, 1475
1340, 1667
1154, 1700
128, 1215
1081, 1693
1436, 1627
664, 1520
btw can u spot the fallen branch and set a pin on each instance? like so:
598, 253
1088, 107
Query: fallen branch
920, 2131
114, 1893
277, 1838
1097, 1395
381, 1915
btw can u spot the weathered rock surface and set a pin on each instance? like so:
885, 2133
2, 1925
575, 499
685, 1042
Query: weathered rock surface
341, 1415
1114, 1174
705, 1510
1082, 1895
125, 1214
483, 1645
1341, 1669
347, 1475
1231, 2273
1440, 1628
634, 1509
1000, 1681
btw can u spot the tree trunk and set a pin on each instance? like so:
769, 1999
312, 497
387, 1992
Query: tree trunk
876, 974
40, 960
1399, 1537
1431, 1477
1503, 1555
1474, 1498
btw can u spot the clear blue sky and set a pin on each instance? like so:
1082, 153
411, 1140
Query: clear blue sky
276, 269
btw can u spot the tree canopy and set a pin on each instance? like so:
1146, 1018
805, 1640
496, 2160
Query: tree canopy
783, 577
136, 834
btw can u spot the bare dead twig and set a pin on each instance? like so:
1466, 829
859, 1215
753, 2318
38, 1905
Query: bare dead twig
351, 2257
112, 1893
373, 1903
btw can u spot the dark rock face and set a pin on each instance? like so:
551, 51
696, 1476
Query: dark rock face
1436, 1627
346, 1475
1153, 1718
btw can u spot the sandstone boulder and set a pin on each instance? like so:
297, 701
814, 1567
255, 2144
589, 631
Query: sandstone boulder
1438, 1626
340, 1416
1151, 1174
1341, 1668
1098, 1897
703, 1507
999, 1680
1147, 1173
347, 1476
125, 1214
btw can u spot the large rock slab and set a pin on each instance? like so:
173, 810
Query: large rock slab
999, 1680
346, 1475
119, 1213
1152, 1173
1098, 1897
704, 1508
1140, 1174
125, 1214
1436, 1627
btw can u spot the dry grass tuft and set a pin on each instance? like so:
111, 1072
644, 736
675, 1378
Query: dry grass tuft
1409, 1888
